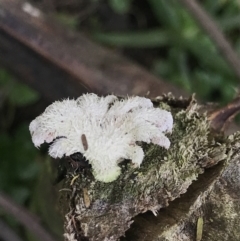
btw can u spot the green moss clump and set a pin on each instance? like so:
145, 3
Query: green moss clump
163, 176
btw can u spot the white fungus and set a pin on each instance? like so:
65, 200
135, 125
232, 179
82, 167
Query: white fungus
104, 129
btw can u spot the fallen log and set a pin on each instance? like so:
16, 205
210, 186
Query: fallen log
180, 176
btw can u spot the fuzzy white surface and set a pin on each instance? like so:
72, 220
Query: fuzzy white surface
111, 126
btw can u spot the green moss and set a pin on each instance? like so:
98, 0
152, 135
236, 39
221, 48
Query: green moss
168, 168
163, 176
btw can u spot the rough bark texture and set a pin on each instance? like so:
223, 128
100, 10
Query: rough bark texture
100, 211
214, 197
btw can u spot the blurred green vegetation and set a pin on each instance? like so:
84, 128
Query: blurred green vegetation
185, 54
24, 171
166, 35
18, 166
159, 34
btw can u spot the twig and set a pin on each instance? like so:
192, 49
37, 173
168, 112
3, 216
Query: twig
211, 28
7, 234
222, 117
26, 218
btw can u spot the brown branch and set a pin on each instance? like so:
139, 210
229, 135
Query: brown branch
211, 28
7, 234
222, 117
30, 221
59, 63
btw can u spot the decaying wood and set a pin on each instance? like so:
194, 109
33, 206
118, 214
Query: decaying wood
214, 197
163, 177
59, 63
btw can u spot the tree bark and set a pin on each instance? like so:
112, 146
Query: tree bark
105, 211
